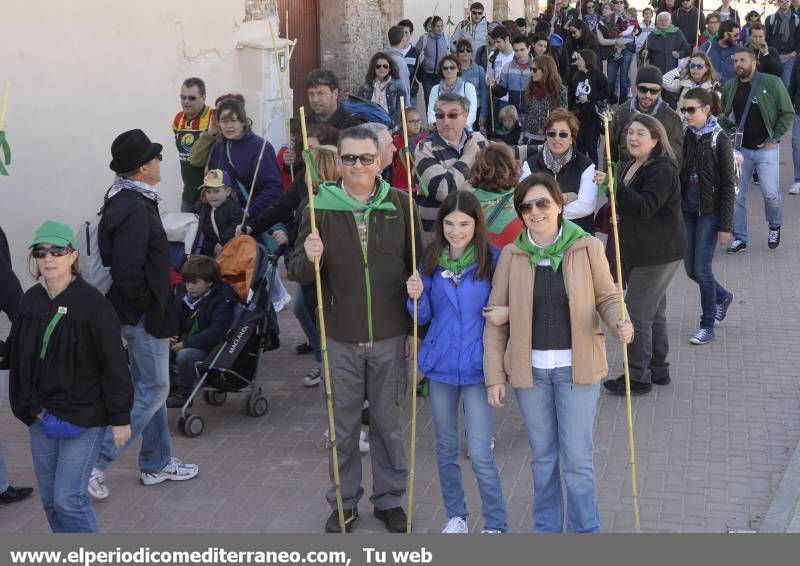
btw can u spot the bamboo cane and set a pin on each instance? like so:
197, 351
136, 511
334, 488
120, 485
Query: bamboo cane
282, 92
612, 201
323, 339
411, 474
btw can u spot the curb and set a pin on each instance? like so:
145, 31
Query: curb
783, 515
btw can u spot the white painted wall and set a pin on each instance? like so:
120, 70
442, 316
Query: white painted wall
83, 71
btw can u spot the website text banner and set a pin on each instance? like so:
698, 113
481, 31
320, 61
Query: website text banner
398, 550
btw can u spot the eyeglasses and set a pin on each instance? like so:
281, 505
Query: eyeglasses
540, 203
697, 66
350, 159
647, 90
449, 115
449, 68
689, 110
226, 121
477, 13
465, 49
381, 66
190, 98
562, 134
55, 251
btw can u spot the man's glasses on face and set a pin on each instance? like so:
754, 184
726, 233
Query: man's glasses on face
648, 90
450, 115
350, 159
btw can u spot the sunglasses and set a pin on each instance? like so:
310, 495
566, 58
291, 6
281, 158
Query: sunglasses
648, 90
562, 134
190, 98
449, 68
535, 69
449, 115
465, 50
350, 159
55, 251
381, 66
690, 110
540, 203
477, 13
697, 66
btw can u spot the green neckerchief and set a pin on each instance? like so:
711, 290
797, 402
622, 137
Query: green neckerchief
333, 197
570, 233
456, 266
671, 29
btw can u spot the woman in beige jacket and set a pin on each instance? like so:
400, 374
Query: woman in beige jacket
543, 338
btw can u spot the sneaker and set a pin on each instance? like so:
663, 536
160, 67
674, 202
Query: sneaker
363, 442
774, 237
755, 177
13, 494
350, 520
722, 308
97, 484
737, 246
175, 470
702, 336
617, 386
312, 378
456, 525
394, 518
177, 400
491, 532
304, 348
795, 190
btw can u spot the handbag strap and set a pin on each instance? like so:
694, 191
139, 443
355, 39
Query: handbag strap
239, 183
750, 95
49, 330
498, 208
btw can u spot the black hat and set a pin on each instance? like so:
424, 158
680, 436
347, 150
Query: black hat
131, 150
649, 74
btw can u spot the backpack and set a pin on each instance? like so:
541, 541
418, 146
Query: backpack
369, 111
93, 271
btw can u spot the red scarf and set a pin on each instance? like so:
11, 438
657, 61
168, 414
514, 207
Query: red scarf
537, 90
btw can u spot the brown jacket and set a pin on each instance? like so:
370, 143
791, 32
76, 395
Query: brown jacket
590, 290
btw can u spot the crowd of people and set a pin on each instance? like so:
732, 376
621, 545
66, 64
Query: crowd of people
511, 285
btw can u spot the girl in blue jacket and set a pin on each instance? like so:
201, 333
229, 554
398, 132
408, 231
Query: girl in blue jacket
452, 291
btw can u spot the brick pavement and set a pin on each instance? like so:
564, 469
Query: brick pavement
711, 447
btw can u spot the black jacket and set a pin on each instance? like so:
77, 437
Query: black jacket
213, 315
651, 219
227, 217
133, 242
773, 35
794, 85
341, 119
716, 174
83, 377
770, 63
10, 289
286, 210
597, 84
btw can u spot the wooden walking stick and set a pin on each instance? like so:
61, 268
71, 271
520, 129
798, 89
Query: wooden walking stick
615, 230
407, 159
323, 339
282, 92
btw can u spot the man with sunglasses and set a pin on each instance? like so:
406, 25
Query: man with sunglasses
475, 28
647, 101
443, 160
363, 243
193, 119
720, 52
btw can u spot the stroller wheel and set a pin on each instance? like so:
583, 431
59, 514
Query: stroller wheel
194, 426
257, 406
180, 423
215, 398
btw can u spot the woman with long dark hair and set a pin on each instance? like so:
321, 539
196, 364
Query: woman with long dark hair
588, 93
544, 93
382, 85
452, 290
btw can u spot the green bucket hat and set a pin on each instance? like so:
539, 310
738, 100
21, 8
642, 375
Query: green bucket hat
54, 233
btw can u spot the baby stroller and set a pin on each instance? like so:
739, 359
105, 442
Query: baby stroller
231, 366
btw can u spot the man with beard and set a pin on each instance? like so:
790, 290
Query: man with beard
762, 113
720, 52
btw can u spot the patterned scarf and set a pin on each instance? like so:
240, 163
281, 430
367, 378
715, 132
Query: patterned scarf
555, 164
457, 87
379, 92
121, 183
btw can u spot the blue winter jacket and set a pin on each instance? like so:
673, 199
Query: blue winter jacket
452, 351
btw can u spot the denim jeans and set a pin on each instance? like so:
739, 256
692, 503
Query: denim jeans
306, 320
701, 242
149, 362
479, 418
559, 418
787, 71
184, 361
62, 473
620, 69
766, 164
796, 148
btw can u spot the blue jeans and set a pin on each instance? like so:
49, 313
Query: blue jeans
478, 417
149, 363
184, 362
62, 471
559, 418
306, 320
787, 71
701, 241
620, 69
765, 162
796, 147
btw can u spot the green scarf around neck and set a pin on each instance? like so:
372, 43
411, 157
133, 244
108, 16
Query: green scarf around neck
570, 233
333, 197
456, 266
671, 29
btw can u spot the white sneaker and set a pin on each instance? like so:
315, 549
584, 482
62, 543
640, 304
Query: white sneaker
795, 190
456, 525
313, 377
175, 470
97, 484
363, 442
491, 532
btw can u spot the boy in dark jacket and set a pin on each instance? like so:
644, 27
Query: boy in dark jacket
204, 312
219, 214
